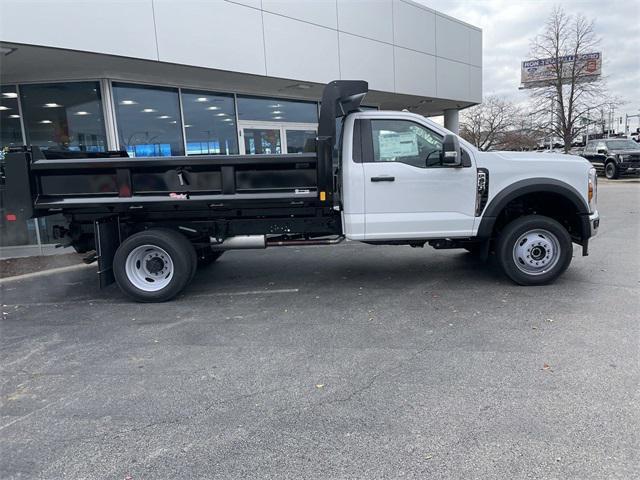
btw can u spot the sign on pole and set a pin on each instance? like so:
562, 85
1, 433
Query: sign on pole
543, 72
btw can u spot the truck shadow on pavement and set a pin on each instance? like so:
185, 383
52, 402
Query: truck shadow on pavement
325, 270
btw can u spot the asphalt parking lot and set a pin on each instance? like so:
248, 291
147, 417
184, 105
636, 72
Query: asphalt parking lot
333, 362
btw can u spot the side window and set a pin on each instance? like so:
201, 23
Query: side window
406, 142
601, 146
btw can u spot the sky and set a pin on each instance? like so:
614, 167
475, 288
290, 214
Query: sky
508, 26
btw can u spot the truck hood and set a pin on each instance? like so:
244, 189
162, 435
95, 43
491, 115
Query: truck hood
625, 152
509, 168
526, 160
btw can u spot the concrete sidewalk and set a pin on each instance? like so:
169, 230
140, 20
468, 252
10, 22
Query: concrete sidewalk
22, 251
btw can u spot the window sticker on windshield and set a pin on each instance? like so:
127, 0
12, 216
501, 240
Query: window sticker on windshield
393, 145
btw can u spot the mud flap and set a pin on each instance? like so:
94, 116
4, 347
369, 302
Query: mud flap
107, 234
485, 250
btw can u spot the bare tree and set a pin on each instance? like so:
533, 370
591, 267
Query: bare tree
518, 140
562, 103
485, 124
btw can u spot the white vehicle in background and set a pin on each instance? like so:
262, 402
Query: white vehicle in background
550, 143
381, 177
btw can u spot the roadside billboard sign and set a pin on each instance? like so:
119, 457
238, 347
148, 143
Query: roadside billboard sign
542, 72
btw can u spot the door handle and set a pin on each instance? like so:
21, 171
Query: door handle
383, 179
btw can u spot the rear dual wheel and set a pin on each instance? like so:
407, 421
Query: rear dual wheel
154, 265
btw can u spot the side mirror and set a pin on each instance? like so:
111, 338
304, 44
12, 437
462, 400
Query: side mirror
451, 154
602, 150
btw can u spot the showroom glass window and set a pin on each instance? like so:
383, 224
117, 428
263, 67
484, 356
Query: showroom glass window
64, 116
209, 123
10, 127
18, 232
148, 120
276, 110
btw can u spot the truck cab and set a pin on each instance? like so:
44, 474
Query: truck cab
397, 183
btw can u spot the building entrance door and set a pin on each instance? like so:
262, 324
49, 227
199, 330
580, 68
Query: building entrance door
276, 137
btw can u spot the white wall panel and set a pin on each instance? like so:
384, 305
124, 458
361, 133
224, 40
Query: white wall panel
475, 84
415, 72
363, 59
452, 39
116, 27
300, 50
397, 45
320, 12
213, 34
368, 18
475, 47
452, 79
414, 27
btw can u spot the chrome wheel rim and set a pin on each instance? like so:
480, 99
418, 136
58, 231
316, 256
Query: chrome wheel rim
536, 252
149, 268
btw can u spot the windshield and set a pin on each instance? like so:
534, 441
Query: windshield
622, 145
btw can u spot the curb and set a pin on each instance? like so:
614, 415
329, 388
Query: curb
26, 276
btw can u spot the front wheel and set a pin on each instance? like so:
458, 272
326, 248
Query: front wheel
611, 170
154, 265
534, 250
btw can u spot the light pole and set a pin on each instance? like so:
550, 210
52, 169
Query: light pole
587, 127
551, 131
626, 122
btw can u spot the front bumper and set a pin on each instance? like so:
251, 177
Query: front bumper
594, 223
629, 168
593, 220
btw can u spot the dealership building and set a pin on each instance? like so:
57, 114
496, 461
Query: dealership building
164, 78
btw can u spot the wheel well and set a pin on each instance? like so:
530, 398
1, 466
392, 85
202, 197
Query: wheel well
549, 204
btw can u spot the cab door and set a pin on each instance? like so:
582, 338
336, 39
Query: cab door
409, 193
599, 157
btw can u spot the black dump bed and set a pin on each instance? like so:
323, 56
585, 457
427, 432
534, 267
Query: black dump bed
106, 184
78, 184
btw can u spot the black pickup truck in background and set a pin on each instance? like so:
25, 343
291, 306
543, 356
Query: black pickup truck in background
613, 157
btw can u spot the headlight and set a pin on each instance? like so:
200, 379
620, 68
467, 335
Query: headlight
593, 190
623, 158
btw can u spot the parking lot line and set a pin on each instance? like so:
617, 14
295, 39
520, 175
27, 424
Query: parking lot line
248, 292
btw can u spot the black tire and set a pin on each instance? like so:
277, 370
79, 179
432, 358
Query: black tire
611, 170
207, 256
554, 258
179, 250
193, 255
